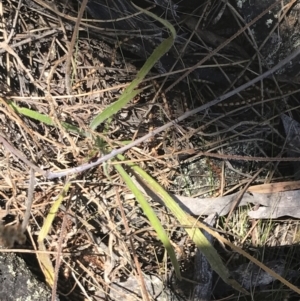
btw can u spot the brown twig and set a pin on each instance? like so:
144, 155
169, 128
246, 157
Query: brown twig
29, 201
71, 46
19, 155
59, 248
4, 45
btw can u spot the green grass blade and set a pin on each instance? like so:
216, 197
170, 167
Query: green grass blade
195, 234
154, 221
113, 108
32, 114
130, 91
45, 119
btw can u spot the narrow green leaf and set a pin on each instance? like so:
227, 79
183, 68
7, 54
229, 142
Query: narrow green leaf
113, 109
195, 234
130, 91
32, 114
154, 221
45, 119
